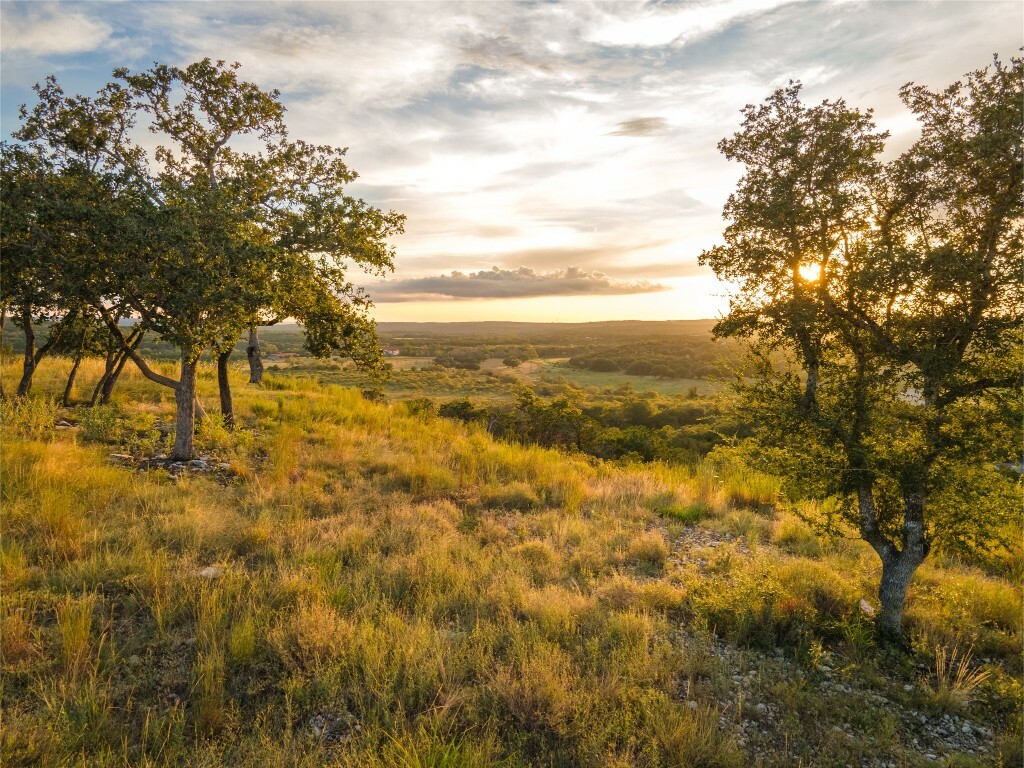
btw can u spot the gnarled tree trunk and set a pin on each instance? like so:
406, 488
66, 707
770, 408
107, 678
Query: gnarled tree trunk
898, 563
252, 350
185, 401
3, 326
33, 355
224, 384
28, 368
897, 571
66, 400
108, 367
108, 385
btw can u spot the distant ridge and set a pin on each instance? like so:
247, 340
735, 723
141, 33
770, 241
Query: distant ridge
639, 328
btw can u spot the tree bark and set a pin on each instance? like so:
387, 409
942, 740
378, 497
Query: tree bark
897, 572
185, 400
255, 357
66, 400
148, 372
28, 368
898, 565
3, 326
108, 366
122, 359
224, 384
33, 355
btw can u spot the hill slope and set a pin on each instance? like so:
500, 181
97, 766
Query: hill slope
345, 583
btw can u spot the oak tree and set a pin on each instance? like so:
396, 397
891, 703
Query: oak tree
895, 292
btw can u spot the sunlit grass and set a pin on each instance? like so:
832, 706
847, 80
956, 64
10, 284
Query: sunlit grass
462, 601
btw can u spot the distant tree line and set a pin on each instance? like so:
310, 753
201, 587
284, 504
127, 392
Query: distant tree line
665, 358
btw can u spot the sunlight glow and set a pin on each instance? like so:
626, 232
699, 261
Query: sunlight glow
811, 272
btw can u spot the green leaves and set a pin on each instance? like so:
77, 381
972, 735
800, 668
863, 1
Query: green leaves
903, 348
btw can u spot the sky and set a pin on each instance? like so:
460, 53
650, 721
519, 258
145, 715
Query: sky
557, 162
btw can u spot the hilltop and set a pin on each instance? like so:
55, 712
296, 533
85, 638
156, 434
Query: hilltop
353, 583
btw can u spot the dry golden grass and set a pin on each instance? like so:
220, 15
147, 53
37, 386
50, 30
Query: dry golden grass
420, 594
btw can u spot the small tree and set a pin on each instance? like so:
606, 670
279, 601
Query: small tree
895, 292
219, 236
268, 233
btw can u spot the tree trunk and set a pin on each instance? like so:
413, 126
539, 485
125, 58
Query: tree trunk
224, 384
892, 592
108, 385
108, 368
71, 380
185, 400
3, 326
29, 365
899, 566
255, 358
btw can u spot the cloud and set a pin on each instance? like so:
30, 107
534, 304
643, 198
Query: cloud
671, 24
43, 29
500, 128
497, 283
642, 126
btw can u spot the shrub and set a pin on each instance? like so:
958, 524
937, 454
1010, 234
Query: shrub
102, 424
31, 417
796, 537
648, 550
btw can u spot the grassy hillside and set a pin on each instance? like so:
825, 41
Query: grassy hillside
349, 584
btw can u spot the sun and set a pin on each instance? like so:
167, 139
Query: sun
811, 272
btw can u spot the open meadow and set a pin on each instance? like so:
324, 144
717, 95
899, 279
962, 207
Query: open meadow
354, 583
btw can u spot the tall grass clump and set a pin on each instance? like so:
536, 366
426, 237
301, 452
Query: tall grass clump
74, 624
956, 677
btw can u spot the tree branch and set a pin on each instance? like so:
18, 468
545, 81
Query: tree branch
148, 372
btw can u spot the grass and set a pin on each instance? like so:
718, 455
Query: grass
371, 587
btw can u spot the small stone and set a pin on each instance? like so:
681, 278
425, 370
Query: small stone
761, 709
223, 465
908, 687
134, 660
691, 704
966, 728
210, 572
866, 607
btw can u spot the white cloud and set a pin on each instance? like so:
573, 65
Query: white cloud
42, 29
660, 25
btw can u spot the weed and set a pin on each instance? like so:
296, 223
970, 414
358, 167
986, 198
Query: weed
689, 514
74, 624
956, 678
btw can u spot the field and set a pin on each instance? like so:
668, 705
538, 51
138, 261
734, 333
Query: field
556, 370
414, 377
350, 583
